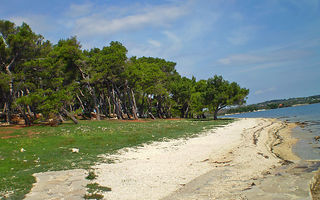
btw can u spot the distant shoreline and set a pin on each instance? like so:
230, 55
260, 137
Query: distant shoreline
262, 107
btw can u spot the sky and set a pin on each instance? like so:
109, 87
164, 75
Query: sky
271, 47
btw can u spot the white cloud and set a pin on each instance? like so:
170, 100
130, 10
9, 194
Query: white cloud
242, 35
258, 92
172, 36
264, 57
154, 43
101, 23
38, 23
168, 47
241, 59
238, 39
263, 91
77, 10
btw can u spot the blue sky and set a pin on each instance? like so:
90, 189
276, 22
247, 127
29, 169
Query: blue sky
271, 47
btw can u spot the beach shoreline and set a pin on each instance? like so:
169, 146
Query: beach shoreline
222, 163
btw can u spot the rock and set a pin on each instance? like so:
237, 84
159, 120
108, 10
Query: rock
265, 173
75, 150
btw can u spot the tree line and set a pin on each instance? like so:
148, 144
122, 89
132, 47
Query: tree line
42, 81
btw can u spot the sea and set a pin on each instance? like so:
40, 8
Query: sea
292, 181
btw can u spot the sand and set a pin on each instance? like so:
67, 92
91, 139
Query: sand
222, 163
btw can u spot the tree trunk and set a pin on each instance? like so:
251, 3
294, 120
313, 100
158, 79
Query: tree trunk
150, 109
117, 109
123, 108
4, 108
151, 115
169, 115
96, 107
109, 105
24, 116
91, 91
103, 103
34, 113
131, 100
215, 114
60, 117
70, 115
81, 104
120, 107
159, 110
28, 107
141, 108
10, 98
186, 112
134, 105
27, 121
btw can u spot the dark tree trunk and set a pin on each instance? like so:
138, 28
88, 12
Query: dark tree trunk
219, 107
80, 101
91, 91
151, 115
114, 100
125, 108
4, 107
150, 109
134, 105
60, 117
186, 111
141, 107
5, 110
64, 111
103, 104
27, 121
169, 115
215, 114
109, 106
121, 102
96, 107
131, 100
10, 97
34, 113
159, 110
28, 107
167, 112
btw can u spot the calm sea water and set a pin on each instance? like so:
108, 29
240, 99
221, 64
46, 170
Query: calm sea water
307, 148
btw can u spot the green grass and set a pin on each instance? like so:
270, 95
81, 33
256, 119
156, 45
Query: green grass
91, 175
95, 187
50, 149
93, 196
94, 190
